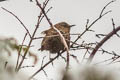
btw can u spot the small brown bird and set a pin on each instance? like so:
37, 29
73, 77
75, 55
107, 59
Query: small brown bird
52, 41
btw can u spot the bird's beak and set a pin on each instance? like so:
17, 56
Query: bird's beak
72, 25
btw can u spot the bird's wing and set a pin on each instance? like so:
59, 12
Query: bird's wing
45, 32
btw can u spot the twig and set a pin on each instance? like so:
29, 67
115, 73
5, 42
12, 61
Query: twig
84, 55
18, 20
32, 38
101, 43
46, 13
43, 61
115, 62
114, 59
55, 35
5, 65
45, 73
114, 27
45, 65
27, 66
105, 8
20, 49
88, 27
61, 36
98, 35
42, 65
103, 61
75, 57
113, 23
45, 3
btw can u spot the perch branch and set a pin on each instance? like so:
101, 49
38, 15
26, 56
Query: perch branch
114, 31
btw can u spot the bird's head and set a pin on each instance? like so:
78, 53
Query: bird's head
66, 25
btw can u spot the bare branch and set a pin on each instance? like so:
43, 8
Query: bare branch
43, 61
114, 27
45, 65
32, 38
101, 43
55, 35
45, 73
18, 20
20, 52
5, 65
103, 61
75, 57
61, 36
84, 56
27, 66
100, 16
